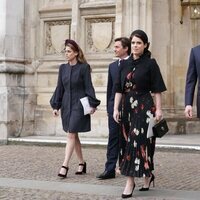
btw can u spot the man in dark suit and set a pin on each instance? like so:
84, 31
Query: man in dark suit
122, 49
193, 76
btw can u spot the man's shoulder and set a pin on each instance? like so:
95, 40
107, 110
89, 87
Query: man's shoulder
113, 64
196, 48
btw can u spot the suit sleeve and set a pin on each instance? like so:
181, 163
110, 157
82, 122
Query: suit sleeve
118, 83
109, 88
191, 80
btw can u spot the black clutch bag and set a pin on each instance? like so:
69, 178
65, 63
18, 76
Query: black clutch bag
160, 129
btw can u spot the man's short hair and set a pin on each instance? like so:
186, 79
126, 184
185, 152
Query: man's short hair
125, 43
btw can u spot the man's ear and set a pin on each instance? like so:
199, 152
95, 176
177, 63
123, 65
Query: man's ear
126, 48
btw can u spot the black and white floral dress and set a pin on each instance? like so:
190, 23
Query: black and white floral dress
137, 80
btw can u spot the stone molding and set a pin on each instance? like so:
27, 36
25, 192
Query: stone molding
14, 60
96, 3
16, 66
55, 11
12, 69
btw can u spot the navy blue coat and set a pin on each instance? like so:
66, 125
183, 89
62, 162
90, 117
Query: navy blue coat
74, 82
193, 75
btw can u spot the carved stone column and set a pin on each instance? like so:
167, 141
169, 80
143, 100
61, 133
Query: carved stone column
13, 94
131, 19
75, 25
131, 15
146, 17
119, 19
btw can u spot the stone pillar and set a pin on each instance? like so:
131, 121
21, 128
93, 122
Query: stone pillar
75, 25
132, 15
146, 17
12, 69
131, 19
119, 19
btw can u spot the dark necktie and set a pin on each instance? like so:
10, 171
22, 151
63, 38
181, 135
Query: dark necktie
120, 61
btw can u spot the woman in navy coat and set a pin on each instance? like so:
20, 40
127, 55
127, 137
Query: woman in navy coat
74, 83
193, 76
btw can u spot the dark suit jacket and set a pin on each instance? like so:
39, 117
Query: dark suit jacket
112, 75
193, 76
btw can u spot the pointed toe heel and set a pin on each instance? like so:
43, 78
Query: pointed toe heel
125, 196
151, 180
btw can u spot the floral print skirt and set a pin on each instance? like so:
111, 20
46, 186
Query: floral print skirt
136, 113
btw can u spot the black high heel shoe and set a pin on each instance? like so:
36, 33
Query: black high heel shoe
83, 170
63, 175
151, 180
125, 196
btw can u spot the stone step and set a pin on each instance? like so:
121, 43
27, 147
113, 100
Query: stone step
189, 142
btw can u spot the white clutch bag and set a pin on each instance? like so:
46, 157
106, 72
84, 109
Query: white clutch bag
86, 106
150, 127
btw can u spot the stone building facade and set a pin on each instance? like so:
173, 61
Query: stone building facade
32, 35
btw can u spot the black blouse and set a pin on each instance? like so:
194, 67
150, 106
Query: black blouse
147, 75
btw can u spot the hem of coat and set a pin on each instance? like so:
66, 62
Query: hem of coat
76, 131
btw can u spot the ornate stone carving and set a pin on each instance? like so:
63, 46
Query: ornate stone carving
100, 35
96, 1
56, 33
85, 1
56, 1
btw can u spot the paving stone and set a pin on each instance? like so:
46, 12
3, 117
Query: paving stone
174, 170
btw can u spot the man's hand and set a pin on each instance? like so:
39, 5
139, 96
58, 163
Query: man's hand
93, 110
188, 111
55, 113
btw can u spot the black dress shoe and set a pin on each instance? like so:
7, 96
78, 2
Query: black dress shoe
106, 175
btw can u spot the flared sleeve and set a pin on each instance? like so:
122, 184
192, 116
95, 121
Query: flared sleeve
157, 82
56, 99
89, 89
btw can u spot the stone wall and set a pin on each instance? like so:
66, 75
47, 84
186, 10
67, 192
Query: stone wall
33, 37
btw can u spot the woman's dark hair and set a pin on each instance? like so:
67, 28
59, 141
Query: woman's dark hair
75, 47
125, 43
143, 36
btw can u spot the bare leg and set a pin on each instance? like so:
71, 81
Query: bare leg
79, 153
148, 180
130, 184
68, 150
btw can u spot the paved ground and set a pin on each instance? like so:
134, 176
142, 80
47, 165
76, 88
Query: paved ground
30, 173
